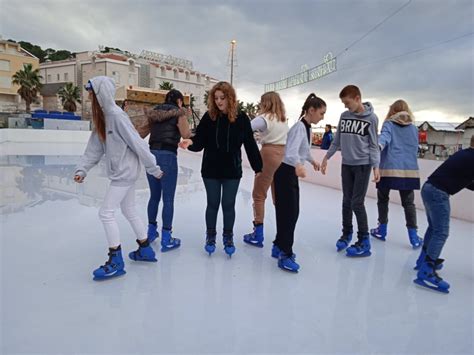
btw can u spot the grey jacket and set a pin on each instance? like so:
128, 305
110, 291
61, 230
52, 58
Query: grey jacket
123, 148
298, 148
356, 137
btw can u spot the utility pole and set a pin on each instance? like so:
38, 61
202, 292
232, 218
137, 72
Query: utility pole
232, 47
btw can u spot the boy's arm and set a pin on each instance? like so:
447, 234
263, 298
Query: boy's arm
336, 143
374, 150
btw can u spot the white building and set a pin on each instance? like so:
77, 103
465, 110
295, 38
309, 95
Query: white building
468, 127
148, 70
439, 140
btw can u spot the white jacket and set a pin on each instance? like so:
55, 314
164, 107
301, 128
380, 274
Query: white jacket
123, 148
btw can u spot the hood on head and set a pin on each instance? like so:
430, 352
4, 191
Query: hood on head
104, 89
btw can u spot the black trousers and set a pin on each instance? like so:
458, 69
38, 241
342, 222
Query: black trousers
355, 181
408, 203
287, 206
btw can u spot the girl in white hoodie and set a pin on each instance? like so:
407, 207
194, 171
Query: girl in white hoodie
115, 138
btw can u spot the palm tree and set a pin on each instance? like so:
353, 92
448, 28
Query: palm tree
69, 95
166, 85
28, 79
251, 110
192, 100
240, 106
206, 97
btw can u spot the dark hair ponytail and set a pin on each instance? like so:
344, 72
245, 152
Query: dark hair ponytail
312, 101
173, 96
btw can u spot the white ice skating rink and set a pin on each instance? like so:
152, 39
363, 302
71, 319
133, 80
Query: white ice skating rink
190, 303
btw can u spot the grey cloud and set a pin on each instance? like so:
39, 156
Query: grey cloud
274, 38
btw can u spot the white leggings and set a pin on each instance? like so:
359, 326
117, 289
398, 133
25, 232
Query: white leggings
125, 197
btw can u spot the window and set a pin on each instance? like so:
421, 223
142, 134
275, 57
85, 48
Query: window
66, 77
163, 71
198, 78
188, 77
176, 74
5, 82
5, 65
58, 77
49, 78
131, 79
116, 76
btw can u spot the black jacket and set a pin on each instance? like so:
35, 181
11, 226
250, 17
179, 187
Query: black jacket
222, 142
456, 173
164, 132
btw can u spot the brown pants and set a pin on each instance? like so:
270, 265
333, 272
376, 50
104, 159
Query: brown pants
272, 156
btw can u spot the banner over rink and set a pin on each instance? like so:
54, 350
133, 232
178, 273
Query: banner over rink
328, 67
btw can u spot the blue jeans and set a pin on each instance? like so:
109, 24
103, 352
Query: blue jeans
437, 210
214, 189
166, 187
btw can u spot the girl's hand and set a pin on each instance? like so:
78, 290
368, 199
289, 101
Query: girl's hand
316, 165
300, 171
324, 166
185, 143
376, 175
79, 179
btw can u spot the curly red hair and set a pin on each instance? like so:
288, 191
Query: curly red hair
229, 93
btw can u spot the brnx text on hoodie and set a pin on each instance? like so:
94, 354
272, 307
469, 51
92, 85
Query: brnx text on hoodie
356, 137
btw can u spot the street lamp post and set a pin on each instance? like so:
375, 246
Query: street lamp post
232, 44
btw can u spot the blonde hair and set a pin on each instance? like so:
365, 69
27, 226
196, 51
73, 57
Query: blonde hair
399, 106
229, 93
271, 104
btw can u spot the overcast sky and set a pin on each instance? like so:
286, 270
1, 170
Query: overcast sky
275, 38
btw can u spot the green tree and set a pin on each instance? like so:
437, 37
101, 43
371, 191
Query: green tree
206, 97
28, 79
60, 55
70, 94
240, 106
251, 110
166, 85
33, 49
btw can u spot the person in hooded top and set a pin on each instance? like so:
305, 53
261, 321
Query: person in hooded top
168, 123
327, 137
398, 143
221, 133
115, 139
356, 137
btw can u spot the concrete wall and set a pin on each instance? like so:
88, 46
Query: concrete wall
66, 125
462, 204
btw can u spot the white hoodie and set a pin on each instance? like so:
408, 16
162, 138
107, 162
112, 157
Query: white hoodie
123, 148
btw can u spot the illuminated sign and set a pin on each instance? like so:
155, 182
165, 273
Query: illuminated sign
303, 77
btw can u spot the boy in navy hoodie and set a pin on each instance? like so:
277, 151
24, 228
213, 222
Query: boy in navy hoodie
452, 176
356, 137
